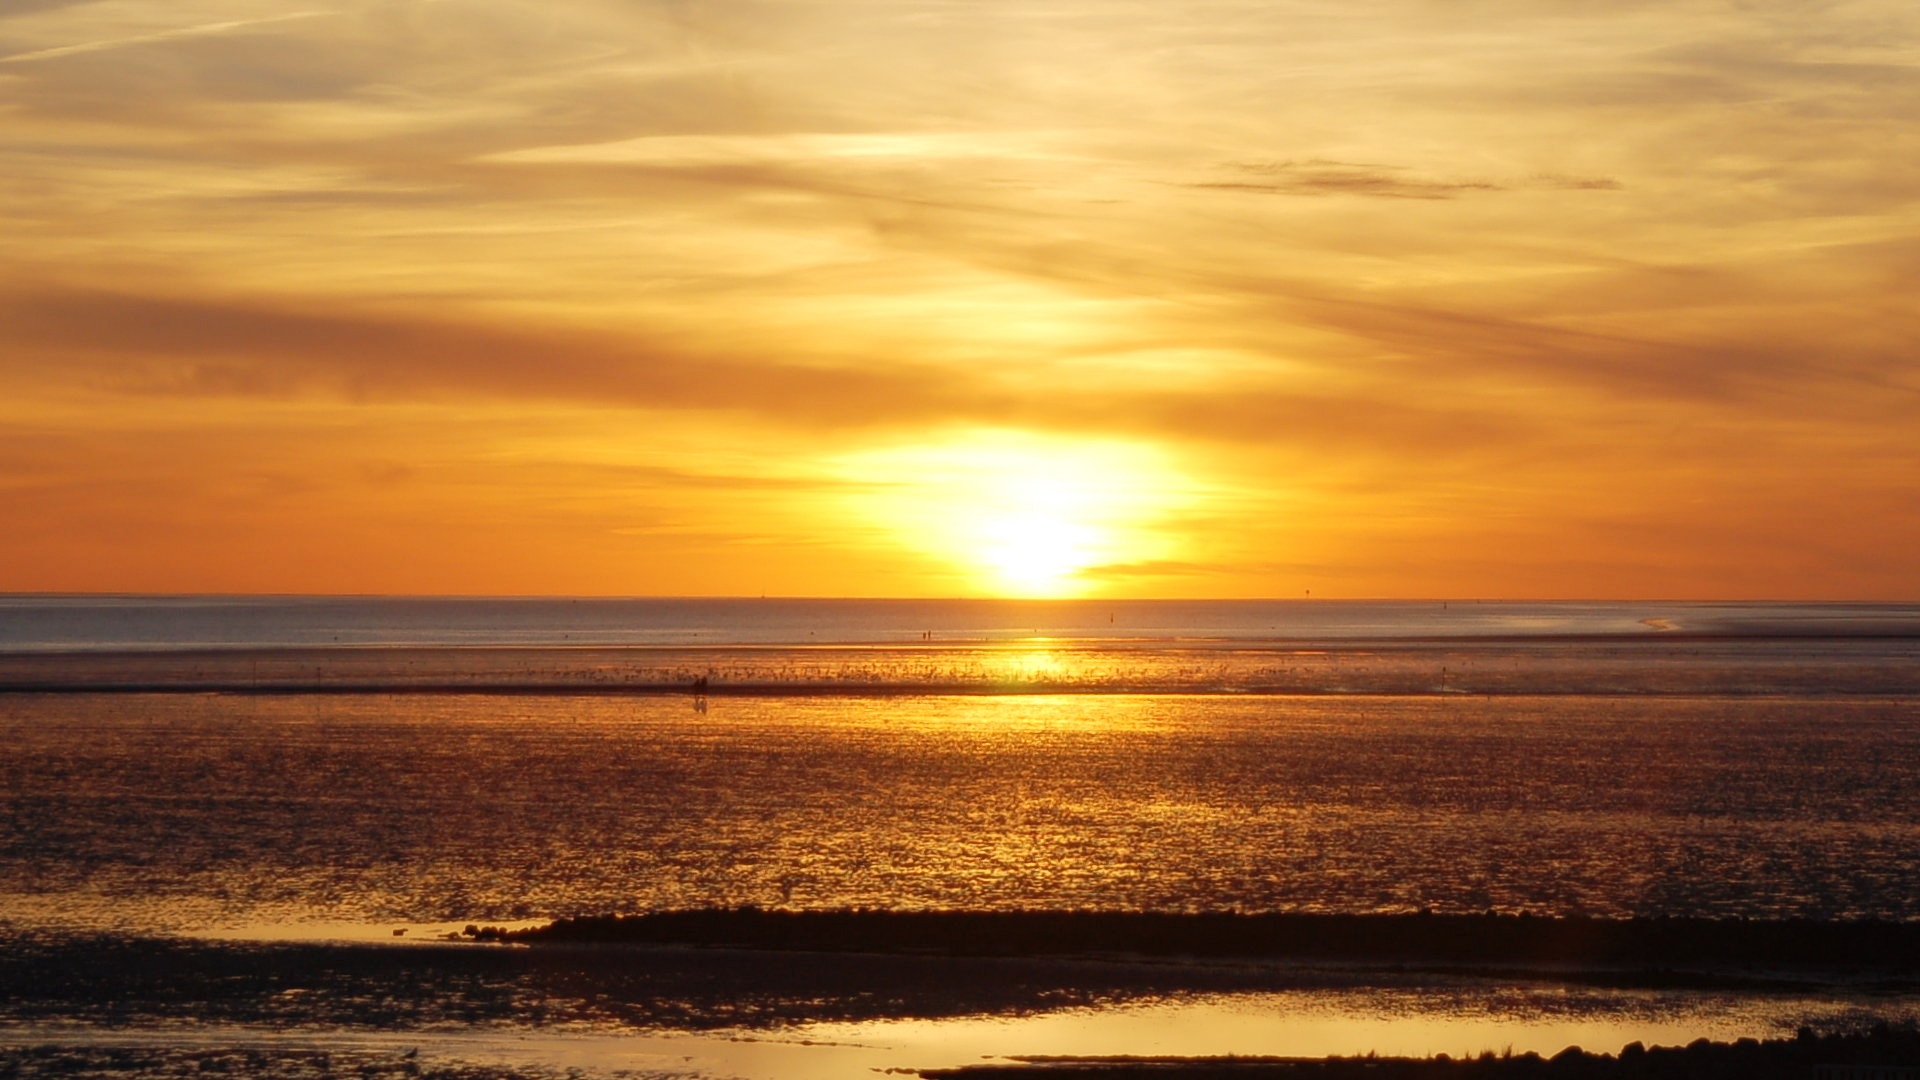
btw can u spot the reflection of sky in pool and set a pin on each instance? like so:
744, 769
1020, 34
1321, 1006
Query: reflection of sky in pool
1305, 1024
1319, 1023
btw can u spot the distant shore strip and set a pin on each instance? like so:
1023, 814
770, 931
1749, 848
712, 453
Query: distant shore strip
1656, 664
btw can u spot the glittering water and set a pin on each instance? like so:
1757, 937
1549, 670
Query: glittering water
186, 811
299, 768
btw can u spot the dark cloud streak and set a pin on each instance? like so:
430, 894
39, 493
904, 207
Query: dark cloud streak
215, 347
1339, 178
204, 347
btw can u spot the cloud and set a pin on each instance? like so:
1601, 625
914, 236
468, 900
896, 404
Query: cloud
1154, 569
1576, 183
1434, 263
225, 347
1340, 178
1379, 181
691, 151
199, 30
26, 7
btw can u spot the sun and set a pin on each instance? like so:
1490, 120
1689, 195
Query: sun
1021, 514
1036, 534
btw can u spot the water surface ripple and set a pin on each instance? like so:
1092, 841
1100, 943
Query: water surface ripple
176, 811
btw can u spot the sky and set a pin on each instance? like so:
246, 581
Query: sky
1267, 298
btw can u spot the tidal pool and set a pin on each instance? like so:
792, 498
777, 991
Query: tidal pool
1394, 1022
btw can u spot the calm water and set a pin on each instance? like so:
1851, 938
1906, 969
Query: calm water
1722, 759
183, 811
287, 767
30, 623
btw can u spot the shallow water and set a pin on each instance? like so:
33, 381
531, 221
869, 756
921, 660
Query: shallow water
168, 813
1413, 1023
378, 765
1298, 1024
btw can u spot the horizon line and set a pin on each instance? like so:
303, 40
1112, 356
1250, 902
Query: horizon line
7, 594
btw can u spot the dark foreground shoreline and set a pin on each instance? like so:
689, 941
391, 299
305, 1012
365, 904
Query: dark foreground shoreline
1887, 949
713, 969
721, 971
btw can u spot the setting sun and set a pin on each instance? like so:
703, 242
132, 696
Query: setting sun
1021, 515
751, 509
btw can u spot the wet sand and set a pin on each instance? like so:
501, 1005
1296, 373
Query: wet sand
822, 996
710, 970
1578, 947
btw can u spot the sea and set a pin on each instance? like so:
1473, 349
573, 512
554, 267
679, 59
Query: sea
226, 772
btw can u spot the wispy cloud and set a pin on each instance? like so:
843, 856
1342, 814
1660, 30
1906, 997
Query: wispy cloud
218, 348
679, 151
195, 31
1416, 271
1577, 183
1339, 178
226, 348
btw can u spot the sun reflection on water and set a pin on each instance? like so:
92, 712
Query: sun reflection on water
391, 810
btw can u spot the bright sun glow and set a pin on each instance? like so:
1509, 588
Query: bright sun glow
1023, 515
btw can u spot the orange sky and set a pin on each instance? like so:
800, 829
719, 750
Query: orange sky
929, 297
